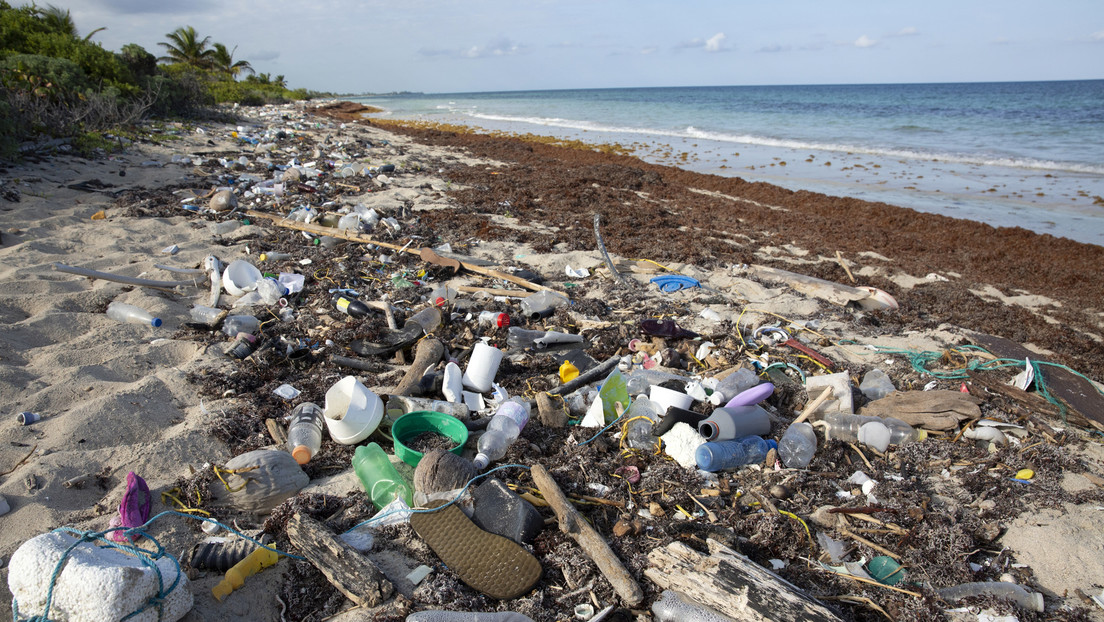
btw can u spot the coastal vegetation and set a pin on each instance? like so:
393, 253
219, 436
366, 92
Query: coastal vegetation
57, 84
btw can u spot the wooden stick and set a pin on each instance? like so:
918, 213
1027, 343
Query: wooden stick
872, 582
811, 408
427, 354
512, 293
861, 455
876, 547
353, 574
839, 258
592, 543
281, 221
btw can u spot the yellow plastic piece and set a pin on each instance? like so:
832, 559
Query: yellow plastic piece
568, 372
1025, 474
235, 577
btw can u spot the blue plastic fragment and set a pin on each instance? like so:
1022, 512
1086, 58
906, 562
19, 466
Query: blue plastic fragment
673, 282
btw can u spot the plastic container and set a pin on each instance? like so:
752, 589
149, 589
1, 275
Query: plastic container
754, 395
731, 454
725, 424
542, 304
122, 312
665, 398
428, 319
798, 445
641, 419
205, 315
1032, 601
240, 324
349, 222
614, 390
846, 427
876, 384
305, 432
494, 318
732, 385
414, 423
505, 427
351, 306
442, 295
380, 479
482, 367
240, 277
352, 411
670, 607
518, 337
270, 290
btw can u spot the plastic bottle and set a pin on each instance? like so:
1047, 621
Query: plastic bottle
638, 434
122, 312
494, 318
240, 324
669, 607
270, 290
350, 306
429, 319
542, 304
442, 295
720, 455
798, 445
725, 424
732, 385
876, 384
274, 256
380, 479
205, 315
506, 425
518, 337
305, 432
349, 222
224, 227
253, 563
845, 427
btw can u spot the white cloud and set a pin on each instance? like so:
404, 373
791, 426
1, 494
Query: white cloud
649, 50
1097, 36
713, 44
865, 42
774, 48
907, 31
499, 47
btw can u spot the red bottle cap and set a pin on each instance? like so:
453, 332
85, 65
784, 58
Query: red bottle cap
502, 320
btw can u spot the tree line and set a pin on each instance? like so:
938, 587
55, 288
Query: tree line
55, 83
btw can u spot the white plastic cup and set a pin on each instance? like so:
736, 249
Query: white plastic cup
665, 398
352, 412
240, 277
482, 367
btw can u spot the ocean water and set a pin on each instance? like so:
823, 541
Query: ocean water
1027, 154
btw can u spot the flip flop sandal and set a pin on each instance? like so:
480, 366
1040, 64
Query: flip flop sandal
488, 563
393, 342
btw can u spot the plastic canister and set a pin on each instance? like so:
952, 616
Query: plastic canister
352, 411
729, 423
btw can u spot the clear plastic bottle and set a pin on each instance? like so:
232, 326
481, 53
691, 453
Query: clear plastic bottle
542, 304
270, 290
725, 424
494, 318
442, 295
720, 455
122, 312
732, 385
638, 434
429, 319
518, 337
505, 427
798, 445
305, 432
205, 315
380, 478
845, 427
240, 324
670, 607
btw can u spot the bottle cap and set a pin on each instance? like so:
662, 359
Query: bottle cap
155, 322
481, 461
302, 454
502, 320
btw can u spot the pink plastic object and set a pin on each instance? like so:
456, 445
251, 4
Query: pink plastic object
134, 509
754, 395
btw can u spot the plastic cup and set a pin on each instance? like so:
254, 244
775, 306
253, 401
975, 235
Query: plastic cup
352, 412
482, 367
665, 398
27, 417
240, 277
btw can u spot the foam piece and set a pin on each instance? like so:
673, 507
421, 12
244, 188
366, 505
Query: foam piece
96, 584
840, 400
682, 443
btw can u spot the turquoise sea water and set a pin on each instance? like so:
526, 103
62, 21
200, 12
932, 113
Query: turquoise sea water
1016, 153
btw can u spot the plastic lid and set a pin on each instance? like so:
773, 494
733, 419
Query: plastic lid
481, 461
156, 322
502, 320
302, 454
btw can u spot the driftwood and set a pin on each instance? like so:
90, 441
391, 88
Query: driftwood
732, 584
551, 415
592, 543
427, 354
129, 280
350, 572
280, 221
1033, 402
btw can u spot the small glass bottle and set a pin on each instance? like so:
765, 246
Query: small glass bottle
305, 432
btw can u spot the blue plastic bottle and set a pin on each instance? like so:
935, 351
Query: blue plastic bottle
720, 455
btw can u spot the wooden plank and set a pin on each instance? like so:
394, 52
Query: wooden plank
733, 585
350, 572
592, 543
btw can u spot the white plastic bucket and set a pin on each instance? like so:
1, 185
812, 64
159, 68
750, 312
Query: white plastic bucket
352, 411
665, 398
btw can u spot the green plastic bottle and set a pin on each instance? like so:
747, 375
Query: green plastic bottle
380, 479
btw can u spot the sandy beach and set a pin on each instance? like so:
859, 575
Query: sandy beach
167, 403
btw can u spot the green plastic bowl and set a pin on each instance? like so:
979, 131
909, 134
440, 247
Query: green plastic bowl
414, 423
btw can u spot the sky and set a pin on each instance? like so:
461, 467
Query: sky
436, 46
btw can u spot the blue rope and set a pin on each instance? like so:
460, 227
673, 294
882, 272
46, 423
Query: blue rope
440, 507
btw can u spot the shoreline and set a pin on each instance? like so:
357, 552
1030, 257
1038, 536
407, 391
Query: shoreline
163, 402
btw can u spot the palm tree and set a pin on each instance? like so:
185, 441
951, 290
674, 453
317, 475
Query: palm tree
60, 20
224, 61
185, 46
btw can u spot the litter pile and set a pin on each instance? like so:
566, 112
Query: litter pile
424, 419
